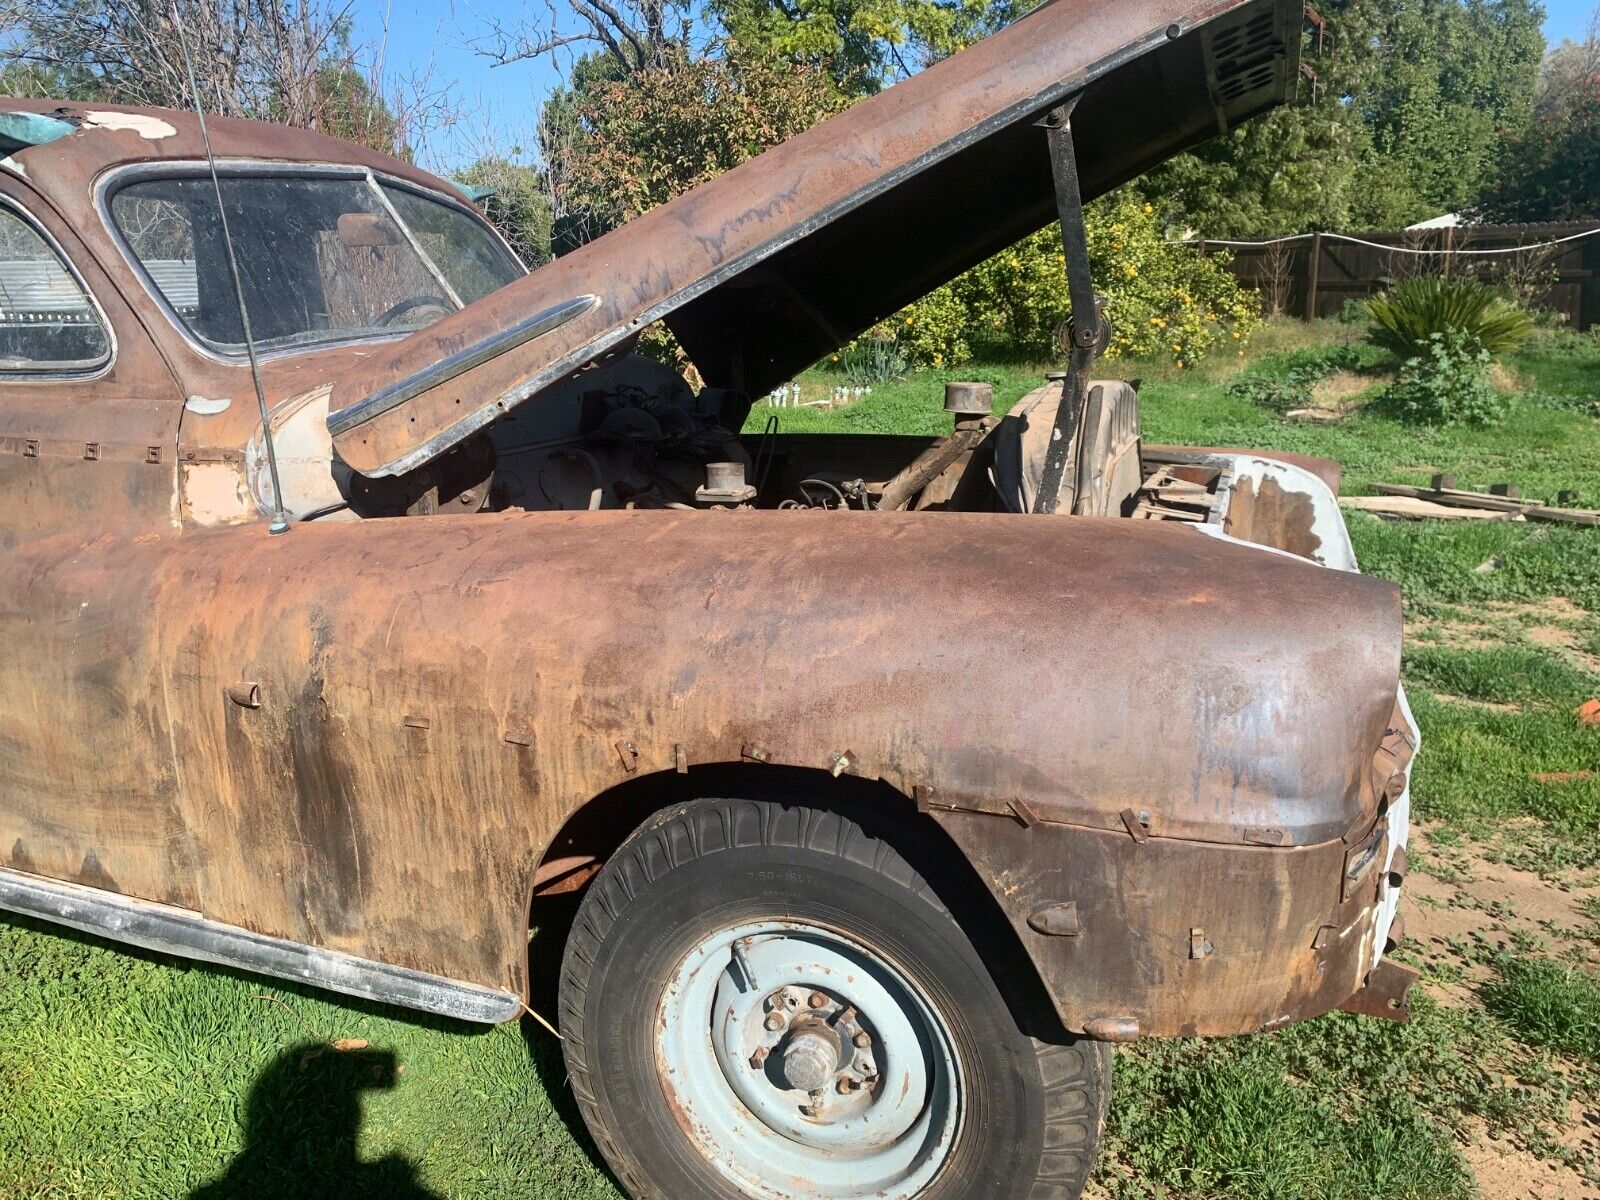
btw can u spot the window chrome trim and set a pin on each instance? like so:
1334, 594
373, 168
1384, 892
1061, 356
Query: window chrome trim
62, 374
446, 369
187, 934
115, 180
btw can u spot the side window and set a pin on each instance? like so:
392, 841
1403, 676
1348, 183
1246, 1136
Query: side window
47, 322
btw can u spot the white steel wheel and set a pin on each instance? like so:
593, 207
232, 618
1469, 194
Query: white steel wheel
800, 1059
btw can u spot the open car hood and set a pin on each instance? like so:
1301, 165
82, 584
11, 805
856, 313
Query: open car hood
765, 269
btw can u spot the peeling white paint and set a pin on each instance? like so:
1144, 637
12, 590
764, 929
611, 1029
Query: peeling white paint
205, 406
151, 128
14, 166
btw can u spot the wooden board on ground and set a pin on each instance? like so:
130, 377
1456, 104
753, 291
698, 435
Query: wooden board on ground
1412, 508
1487, 502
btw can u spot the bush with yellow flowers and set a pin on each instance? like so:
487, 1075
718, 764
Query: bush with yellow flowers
1165, 299
933, 331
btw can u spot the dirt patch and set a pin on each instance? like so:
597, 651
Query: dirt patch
1505, 1172
1555, 624
1462, 895
1506, 379
1343, 389
1566, 641
1337, 396
1457, 904
1483, 705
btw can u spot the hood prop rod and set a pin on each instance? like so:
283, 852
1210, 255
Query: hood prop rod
1087, 322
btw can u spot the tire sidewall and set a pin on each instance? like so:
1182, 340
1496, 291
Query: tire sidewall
653, 923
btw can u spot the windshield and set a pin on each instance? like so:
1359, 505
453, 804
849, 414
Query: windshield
322, 258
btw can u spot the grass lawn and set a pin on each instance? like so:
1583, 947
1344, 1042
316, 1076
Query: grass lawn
128, 1076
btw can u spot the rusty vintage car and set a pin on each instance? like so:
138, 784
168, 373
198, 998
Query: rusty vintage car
893, 778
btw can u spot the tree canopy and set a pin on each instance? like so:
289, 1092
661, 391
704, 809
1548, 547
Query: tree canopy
1550, 170
1412, 102
863, 44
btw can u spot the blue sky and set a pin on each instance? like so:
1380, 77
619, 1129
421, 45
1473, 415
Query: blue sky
435, 39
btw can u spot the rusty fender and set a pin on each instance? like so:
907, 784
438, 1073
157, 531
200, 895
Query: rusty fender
1163, 937
375, 729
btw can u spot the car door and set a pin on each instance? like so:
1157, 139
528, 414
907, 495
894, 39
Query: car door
88, 437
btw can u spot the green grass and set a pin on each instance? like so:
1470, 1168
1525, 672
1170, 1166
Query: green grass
1500, 675
1297, 1114
129, 1077
132, 1077
1549, 1004
1443, 565
1561, 364
1541, 448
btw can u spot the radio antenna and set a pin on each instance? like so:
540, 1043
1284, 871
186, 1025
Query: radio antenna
280, 520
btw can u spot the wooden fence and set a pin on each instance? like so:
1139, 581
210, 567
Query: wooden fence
1315, 275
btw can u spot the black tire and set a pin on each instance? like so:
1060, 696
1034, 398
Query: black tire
1033, 1113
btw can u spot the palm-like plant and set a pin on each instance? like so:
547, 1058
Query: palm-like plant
1408, 315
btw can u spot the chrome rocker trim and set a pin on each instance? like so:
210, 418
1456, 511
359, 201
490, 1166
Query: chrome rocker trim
187, 934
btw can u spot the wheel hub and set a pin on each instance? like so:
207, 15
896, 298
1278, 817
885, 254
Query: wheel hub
811, 1059
805, 1064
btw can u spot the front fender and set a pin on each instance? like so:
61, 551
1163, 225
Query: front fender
438, 697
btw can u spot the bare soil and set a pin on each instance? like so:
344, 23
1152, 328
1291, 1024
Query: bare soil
1456, 897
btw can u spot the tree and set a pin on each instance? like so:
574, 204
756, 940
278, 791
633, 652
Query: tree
252, 58
288, 61
863, 44
1550, 171
618, 146
1412, 103
630, 35
519, 204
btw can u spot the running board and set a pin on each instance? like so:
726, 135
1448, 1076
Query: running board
187, 934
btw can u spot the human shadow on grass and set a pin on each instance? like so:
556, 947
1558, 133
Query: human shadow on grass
302, 1126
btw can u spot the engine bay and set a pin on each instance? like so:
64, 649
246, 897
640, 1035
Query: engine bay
632, 434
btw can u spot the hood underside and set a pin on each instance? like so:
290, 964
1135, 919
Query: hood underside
764, 270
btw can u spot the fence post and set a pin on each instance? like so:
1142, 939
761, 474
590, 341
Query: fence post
1589, 289
1313, 274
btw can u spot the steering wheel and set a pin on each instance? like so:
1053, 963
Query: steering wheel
399, 310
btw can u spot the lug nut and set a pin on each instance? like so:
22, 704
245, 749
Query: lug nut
758, 1058
861, 1041
774, 1022
847, 1085
817, 1000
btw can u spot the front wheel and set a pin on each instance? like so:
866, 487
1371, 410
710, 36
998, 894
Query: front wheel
763, 1001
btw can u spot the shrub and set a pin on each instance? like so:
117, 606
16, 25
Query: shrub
1446, 383
872, 359
933, 331
1407, 318
1164, 298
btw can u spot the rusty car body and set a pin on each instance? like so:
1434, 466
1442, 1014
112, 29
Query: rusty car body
538, 589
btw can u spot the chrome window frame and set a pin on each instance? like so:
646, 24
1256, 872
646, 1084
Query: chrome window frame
62, 374
115, 180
